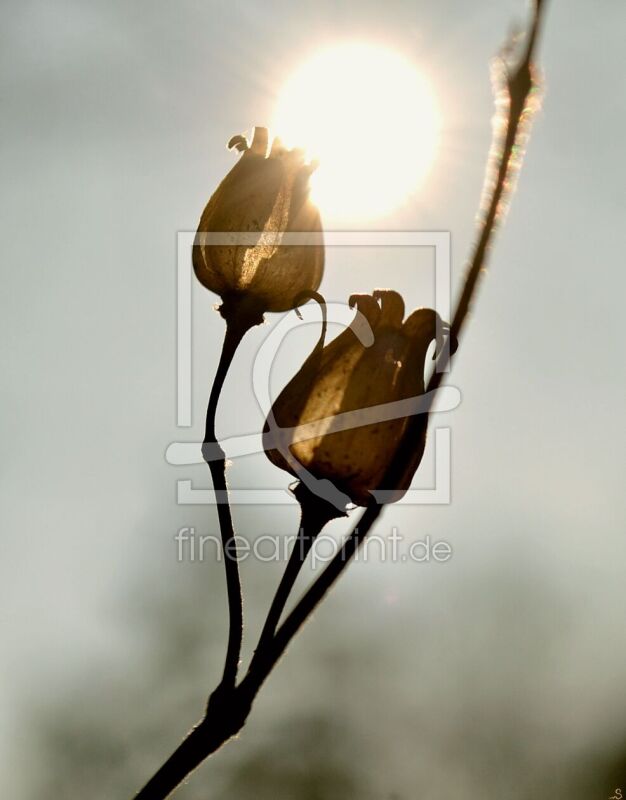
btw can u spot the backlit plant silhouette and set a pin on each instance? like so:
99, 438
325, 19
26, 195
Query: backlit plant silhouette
368, 462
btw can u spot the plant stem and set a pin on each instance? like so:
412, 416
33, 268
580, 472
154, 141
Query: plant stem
193, 750
226, 711
315, 514
226, 714
519, 85
240, 313
216, 461
273, 650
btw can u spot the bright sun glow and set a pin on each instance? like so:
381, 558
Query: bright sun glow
370, 119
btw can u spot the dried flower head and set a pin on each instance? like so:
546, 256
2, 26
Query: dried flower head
334, 420
255, 209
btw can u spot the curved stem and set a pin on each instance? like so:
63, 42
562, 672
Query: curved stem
236, 328
315, 514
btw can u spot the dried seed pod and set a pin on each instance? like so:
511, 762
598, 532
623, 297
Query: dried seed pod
256, 209
333, 418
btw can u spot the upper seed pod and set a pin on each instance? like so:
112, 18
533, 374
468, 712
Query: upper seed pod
263, 197
333, 419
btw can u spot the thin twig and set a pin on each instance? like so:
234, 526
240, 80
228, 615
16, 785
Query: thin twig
316, 513
217, 467
520, 84
259, 670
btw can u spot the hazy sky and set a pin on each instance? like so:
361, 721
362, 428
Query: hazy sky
113, 126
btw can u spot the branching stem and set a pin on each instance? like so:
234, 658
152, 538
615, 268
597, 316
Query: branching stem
230, 704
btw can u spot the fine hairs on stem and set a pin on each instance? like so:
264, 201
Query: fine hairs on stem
229, 705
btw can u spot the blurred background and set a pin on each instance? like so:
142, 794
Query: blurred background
496, 674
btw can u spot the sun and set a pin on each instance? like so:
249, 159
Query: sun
370, 118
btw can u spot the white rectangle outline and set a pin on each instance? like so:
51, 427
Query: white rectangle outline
440, 240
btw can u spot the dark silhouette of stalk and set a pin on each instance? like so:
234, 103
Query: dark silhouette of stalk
316, 512
216, 461
240, 314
